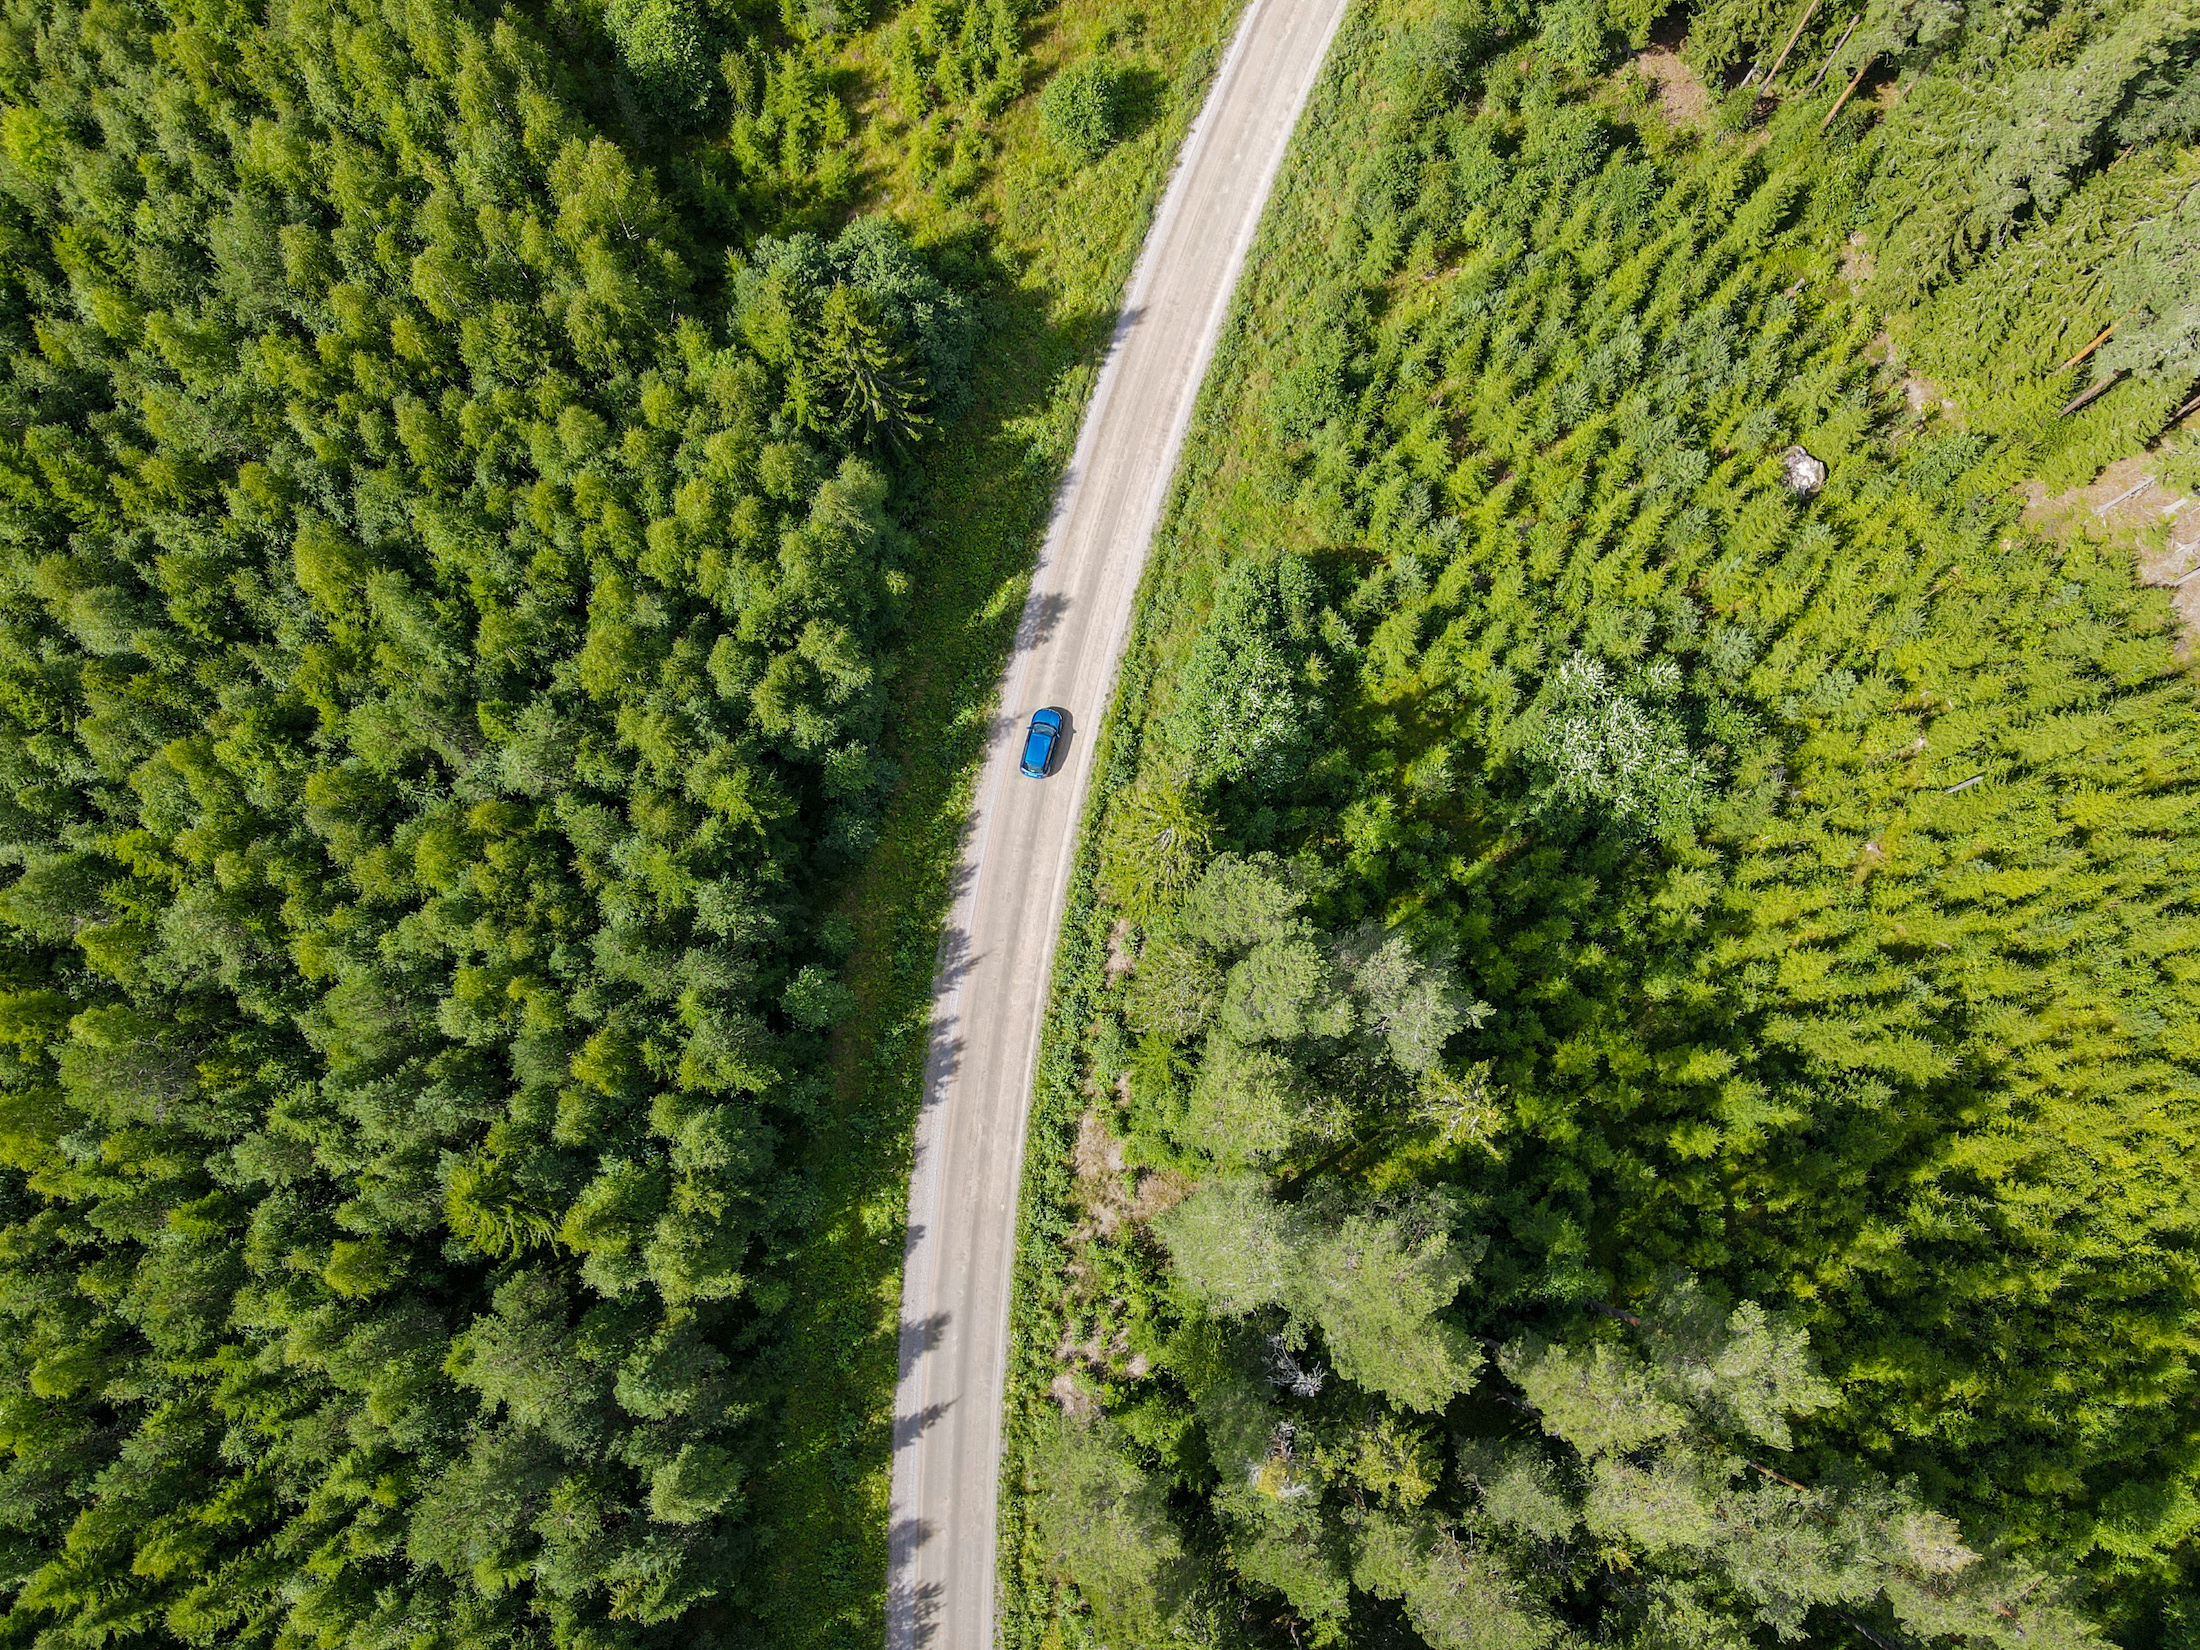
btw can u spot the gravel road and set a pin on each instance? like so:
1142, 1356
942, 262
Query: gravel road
990, 993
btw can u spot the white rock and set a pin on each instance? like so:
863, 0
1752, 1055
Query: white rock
1805, 474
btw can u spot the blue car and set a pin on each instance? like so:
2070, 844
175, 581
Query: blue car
1039, 742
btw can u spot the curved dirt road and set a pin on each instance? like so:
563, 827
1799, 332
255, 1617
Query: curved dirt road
989, 996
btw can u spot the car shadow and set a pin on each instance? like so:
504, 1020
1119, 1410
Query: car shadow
1060, 753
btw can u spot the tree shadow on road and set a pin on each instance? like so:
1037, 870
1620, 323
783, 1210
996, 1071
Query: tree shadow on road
979, 501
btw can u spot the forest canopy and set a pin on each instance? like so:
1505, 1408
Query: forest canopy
445, 630
1647, 1003
1639, 961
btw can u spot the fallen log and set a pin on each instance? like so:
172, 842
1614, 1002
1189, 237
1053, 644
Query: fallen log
2094, 394
1855, 81
1830, 56
1794, 35
2090, 348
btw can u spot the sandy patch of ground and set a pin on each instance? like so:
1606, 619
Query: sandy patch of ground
1857, 264
1070, 1393
1105, 1349
1120, 957
1920, 392
2127, 505
1159, 1190
1097, 1152
1681, 96
1108, 1196
1097, 1160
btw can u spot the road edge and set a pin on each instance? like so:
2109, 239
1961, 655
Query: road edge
903, 1630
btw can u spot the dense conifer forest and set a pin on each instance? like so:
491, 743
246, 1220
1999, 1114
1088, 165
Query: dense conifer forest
1628, 1069
468, 479
438, 654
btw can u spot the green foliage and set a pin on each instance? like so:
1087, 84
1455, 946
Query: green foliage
953, 66
1792, 881
2019, 196
1380, 1288
1375, 1283
1251, 688
1992, 146
1643, 1456
866, 339
1599, 749
1106, 1523
2000, 336
2155, 289
1455, 1597
1082, 109
1158, 844
790, 135
1725, 35
2025, 194
665, 45
440, 668
944, 57
1290, 1021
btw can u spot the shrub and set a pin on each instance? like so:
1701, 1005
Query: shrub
666, 48
1082, 109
